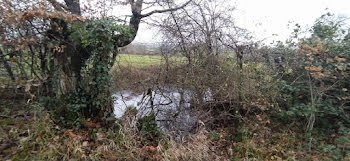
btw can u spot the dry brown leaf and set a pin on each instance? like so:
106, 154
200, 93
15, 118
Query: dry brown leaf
339, 59
316, 69
70, 133
329, 60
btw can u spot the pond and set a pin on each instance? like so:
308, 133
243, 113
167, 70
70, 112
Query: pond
172, 107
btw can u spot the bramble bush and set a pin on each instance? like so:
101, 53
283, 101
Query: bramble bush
318, 93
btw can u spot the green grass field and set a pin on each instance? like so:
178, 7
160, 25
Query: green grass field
149, 60
144, 60
139, 60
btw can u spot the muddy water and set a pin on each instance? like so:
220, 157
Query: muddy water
171, 106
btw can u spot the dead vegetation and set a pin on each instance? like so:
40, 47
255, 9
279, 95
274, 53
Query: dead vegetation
242, 100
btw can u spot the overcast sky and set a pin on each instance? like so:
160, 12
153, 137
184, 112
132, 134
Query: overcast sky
268, 17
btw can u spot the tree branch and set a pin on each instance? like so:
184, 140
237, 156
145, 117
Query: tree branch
136, 8
73, 6
166, 10
58, 6
7, 66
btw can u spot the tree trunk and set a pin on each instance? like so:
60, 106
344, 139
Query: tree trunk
73, 6
7, 66
239, 54
93, 93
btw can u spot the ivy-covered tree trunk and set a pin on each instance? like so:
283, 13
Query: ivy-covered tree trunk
82, 66
86, 52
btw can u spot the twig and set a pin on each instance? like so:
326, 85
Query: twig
4, 116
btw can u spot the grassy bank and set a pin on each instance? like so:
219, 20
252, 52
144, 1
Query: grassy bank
28, 133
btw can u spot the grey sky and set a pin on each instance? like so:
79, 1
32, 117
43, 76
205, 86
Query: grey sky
268, 17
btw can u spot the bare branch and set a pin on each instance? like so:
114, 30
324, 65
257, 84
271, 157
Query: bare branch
7, 66
58, 6
136, 8
166, 10
73, 6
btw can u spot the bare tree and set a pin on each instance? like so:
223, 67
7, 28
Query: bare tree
205, 33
